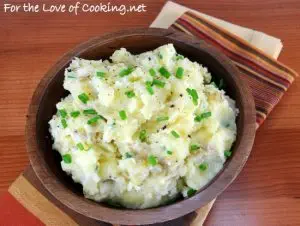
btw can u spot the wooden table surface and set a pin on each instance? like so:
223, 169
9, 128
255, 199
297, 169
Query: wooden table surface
267, 192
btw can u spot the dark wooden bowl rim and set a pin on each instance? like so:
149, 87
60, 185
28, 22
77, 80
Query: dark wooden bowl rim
160, 214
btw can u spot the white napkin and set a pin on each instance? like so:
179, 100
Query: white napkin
268, 44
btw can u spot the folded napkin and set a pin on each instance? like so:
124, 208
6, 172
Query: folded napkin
28, 203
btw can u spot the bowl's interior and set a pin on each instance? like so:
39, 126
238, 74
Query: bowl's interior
135, 44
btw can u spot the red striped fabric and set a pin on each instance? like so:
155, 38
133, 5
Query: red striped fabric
14, 213
268, 79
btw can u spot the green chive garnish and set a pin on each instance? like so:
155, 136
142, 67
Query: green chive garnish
64, 123
100, 74
158, 83
92, 121
160, 55
128, 155
203, 166
89, 112
164, 72
175, 134
149, 87
143, 135
83, 97
71, 76
179, 57
194, 147
126, 71
123, 115
227, 153
162, 118
63, 113
152, 160
67, 158
130, 94
80, 146
75, 114
169, 152
193, 93
191, 192
179, 73
202, 116
152, 72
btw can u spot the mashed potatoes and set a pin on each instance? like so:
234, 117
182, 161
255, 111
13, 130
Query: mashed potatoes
140, 130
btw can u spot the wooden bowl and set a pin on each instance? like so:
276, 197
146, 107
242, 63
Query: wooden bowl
46, 162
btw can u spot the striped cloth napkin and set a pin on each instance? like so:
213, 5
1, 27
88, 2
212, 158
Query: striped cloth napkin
28, 203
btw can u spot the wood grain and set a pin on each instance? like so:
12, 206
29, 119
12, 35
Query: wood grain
268, 189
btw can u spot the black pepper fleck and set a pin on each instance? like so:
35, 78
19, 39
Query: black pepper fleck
181, 95
189, 136
172, 106
164, 127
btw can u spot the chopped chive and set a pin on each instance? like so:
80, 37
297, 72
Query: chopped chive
130, 94
179, 73
202, 116
206, 114
179, 57
158, 83
64, 123
93, 120
227, 153
191, 192
143, 135
89, 112
227, 125
160, 55
203, 166
80, 146
175, 134
126, 71
123, 115
67, 158
149, 87
128, 155
169, 152
162, 118
83, 97
75, 114
193, 93
63, 113
152, 160
194, 147
152, 72
71, 75
164, 72
100, 74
